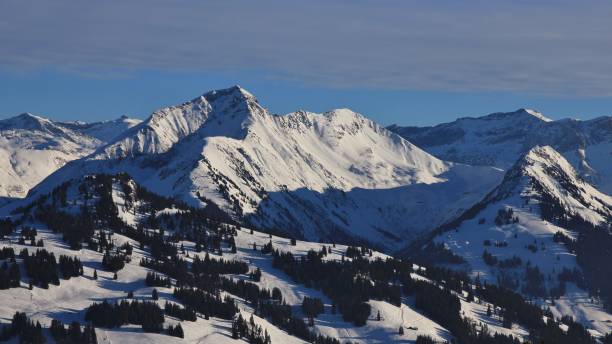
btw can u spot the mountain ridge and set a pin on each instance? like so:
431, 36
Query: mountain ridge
499, 140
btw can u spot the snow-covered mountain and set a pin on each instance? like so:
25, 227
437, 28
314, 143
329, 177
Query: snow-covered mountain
500, 139
32, 147
545, 176
190, 178
333, 176
539, 217
165, 127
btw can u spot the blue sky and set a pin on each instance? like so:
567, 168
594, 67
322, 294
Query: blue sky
406, 62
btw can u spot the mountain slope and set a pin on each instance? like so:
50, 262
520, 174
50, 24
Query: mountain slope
119, 197
522, 235
333, 176
32, 147
101, 216
500, 139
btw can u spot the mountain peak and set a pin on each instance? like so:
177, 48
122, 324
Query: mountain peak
29, 115
544, 174
343, 115
539, 153
234, 92
522, 113
223, 111
535, 114
25, 120
545, 160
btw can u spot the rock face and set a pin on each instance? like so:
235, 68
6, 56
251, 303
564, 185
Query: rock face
334, 176
500, 139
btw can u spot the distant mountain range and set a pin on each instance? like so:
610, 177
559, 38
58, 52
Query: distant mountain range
500, 139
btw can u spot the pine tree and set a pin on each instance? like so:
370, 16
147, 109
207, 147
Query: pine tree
232, 243
155, 294
95, 275
256, 275
74, 332
14, 275
401, 331
58, 331
89, 335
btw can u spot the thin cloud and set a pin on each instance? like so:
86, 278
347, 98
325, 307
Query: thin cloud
557, 47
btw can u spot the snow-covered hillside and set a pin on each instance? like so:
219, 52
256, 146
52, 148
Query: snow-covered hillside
32, 147
500, 139
334, 176
514, 236
108, 198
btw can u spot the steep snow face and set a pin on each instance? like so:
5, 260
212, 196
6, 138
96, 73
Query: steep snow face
32, 147
500, 139
167, 126
339, 150
540, 179
334, 176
